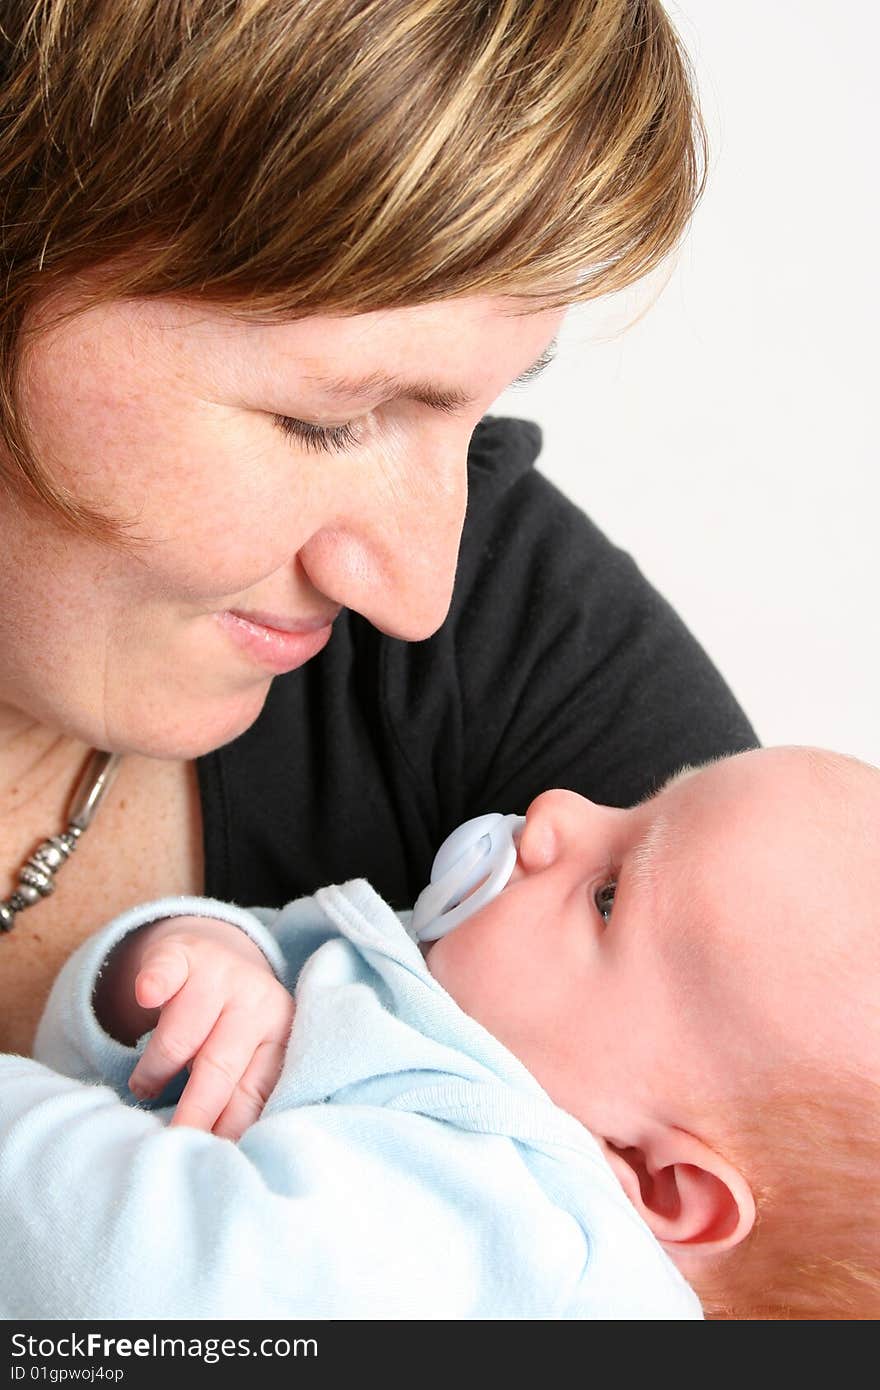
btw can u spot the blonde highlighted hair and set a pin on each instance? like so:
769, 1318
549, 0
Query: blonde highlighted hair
278, 159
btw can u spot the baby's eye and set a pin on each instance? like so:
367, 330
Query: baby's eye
604, 899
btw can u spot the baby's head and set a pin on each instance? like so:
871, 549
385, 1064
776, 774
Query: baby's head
697, 979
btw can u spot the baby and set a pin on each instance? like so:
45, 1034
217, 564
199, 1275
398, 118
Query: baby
693, 980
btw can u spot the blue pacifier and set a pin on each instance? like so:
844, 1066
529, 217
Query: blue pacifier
482, 851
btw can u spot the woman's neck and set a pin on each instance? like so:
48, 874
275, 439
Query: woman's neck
38, 766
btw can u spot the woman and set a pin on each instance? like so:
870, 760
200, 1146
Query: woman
266, 268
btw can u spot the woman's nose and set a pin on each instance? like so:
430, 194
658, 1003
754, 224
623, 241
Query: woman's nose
561, 825
392, 554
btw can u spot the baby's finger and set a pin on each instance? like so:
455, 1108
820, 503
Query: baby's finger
164, 970
217, 1069
252, 1091
184, 1024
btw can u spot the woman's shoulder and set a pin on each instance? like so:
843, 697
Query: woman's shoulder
503, 447
511, 497
525, 543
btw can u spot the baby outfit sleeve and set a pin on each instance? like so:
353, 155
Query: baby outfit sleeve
70, 1039
324, 1210
352, 1196
105, 1212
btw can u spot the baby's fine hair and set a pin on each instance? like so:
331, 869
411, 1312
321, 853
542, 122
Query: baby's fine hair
811, 1149
809, 1142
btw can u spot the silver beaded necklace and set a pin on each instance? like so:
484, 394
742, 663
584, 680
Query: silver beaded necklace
36, 877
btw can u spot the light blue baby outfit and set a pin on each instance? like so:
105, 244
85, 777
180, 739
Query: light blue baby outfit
406, 1164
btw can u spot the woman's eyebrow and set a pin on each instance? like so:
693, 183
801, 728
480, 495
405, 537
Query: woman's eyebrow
393, 388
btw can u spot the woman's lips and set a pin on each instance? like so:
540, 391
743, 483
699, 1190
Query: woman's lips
279, 649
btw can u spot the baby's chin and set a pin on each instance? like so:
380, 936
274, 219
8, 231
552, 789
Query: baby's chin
472, 922
429, 948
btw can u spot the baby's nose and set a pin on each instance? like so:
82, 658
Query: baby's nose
560, 823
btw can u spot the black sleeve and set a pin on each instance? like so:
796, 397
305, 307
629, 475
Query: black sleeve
558, 666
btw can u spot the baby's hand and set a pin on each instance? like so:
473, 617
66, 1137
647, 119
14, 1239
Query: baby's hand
223, 1013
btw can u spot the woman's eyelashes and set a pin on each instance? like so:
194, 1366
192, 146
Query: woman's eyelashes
328, 439
604, 899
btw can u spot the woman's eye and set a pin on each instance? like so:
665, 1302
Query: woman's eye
329, 439
604, 898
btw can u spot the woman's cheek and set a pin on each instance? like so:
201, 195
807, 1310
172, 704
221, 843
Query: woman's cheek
239, 525
216, 501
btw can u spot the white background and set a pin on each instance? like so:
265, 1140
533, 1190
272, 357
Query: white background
727, 439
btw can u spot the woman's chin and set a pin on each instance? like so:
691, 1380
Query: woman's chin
211, 726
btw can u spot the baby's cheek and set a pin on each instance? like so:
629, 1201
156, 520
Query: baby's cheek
472, 965
434, 953
451, 963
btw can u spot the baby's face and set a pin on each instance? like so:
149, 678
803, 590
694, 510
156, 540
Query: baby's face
646, 960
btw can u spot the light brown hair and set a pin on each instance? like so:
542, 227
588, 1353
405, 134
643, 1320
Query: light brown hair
280, 159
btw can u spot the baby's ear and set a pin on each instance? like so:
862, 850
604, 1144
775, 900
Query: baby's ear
694, 1201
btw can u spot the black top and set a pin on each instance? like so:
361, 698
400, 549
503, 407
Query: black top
557, 666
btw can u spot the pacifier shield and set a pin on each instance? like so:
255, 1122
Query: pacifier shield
471, 867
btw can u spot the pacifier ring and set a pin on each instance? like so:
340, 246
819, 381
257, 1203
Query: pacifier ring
471, 867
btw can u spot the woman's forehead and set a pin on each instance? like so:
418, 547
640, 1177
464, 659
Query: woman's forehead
440, 355
382, 351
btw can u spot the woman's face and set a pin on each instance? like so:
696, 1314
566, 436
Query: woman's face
164, 414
